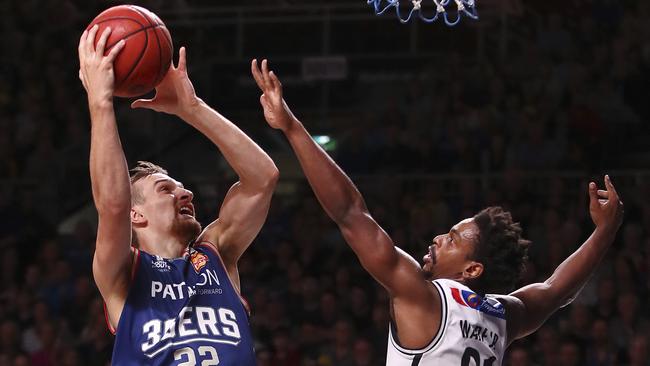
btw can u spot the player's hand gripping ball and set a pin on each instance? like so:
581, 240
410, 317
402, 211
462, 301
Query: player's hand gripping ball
147, 54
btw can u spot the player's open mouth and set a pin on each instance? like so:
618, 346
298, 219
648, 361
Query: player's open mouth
429, 257
186, 210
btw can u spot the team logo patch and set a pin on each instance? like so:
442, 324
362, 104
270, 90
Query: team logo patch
199, 260
472, 300
466, 298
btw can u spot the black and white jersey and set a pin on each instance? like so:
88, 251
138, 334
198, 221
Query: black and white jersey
472, 332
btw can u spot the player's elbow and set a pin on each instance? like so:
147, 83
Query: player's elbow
382, 259
350, 213
268, 180
272, 177
558, 294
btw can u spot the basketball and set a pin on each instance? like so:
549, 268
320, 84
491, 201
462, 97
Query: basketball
147, 54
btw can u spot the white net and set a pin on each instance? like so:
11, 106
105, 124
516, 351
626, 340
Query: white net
438, 9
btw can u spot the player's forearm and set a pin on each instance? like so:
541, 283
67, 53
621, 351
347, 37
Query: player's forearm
108, 168
253, 166
335, 191
570, 276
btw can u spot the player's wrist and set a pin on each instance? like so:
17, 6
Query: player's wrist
606, 230
291, 125
191, 109
100, 104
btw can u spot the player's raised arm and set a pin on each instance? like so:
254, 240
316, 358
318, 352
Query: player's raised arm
108, 173
531, 305
246, 205
339, 197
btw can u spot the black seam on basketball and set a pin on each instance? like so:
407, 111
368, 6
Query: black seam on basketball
118, 83
160, 61
134, 33
151, 22
137, 61
120, 18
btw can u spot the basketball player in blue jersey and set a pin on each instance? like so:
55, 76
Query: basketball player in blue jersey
173, 298
441, 311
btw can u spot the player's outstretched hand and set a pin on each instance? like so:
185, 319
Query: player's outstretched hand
276, 111
95, 69
175, 94
605, 206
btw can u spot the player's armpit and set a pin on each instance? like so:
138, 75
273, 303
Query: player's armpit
527, 309
241, 217
113, 278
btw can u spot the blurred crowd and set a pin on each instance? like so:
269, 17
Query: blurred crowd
559, 102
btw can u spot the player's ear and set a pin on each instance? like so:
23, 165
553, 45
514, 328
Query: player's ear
137, 218
473, 270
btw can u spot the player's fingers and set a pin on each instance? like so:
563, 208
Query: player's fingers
82, 42
610, 187
182, 60
593, 195
115, 51
602, 193
81, 77
141, 103
257, 75
602, 202
275, 81
101, 43
90, 38
265, 73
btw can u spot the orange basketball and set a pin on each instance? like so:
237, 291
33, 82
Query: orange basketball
147, 54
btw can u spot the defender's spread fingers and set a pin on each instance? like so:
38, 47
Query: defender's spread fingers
257, 75
265, 74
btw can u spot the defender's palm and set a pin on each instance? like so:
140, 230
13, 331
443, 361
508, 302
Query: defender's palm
605, 206
276, 112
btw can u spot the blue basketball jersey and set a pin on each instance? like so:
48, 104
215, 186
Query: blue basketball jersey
183, 312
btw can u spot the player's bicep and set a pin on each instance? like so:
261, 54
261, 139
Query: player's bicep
393, 268
241, 217
527, 309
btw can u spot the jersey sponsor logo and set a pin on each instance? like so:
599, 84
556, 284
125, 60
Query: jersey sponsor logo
160, 264
207, 284
200, 324
474, 301
199, 260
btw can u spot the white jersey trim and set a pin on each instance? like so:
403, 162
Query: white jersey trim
436, 339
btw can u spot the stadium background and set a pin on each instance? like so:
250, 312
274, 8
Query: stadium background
521, 109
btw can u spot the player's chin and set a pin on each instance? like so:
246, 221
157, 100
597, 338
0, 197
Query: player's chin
188, 229
427, 270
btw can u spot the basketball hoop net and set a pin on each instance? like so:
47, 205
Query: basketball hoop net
464, 7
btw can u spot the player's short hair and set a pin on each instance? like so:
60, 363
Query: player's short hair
501, 250
142, 170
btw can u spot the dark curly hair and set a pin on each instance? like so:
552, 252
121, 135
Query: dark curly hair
501, 250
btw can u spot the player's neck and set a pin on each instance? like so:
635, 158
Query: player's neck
166, 246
